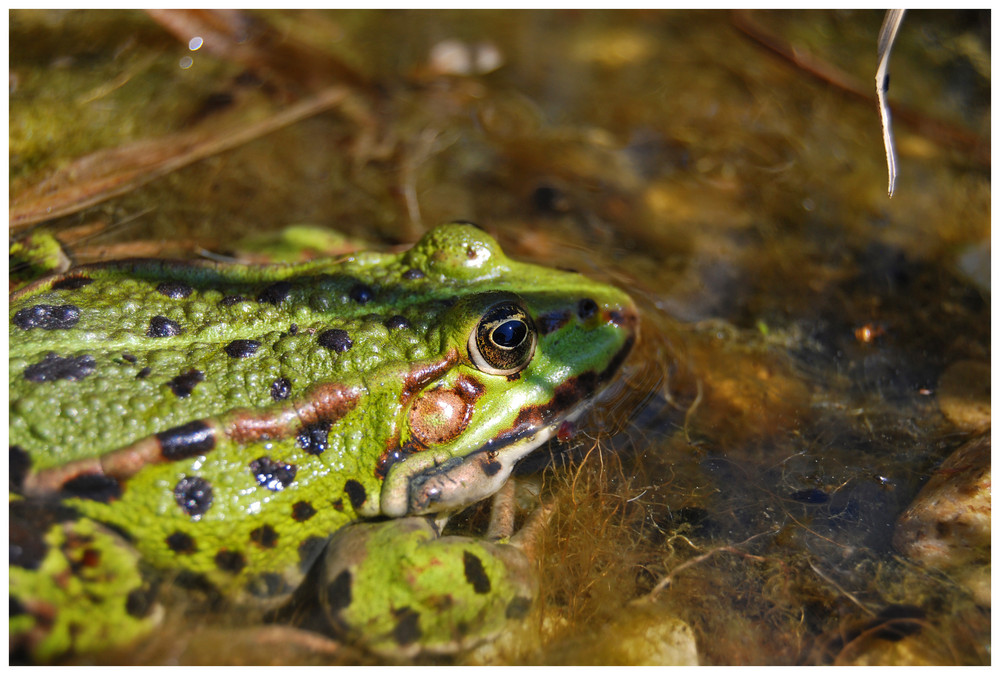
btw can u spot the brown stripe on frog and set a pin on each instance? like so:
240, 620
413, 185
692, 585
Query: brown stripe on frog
187, 440
423, 374
325, 402
420, 375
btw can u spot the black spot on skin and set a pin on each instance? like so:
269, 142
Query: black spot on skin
194, 495
29, 522
230, 561
586, 308
129, 357
475, 573
47, 317
20, 465
72, 283
184, 384
188, 440
356, 493
140, 601
264, 536
548, 323
273, 475
397, 322
161, 326
239, 349
281, 389
336, 339
338, 504
361, 293
268, 585
96, 487
518, 608
293, 329
230, 300
14, 608
338, 591
276, 293
176, 290
491, 467
179, 542
310, 550
413, 274
54, 367
303, 511
144, 373
314, 438
407, 630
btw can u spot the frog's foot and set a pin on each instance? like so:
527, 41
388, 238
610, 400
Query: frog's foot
75, 587
400, 588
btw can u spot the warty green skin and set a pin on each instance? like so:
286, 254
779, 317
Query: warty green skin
257, 535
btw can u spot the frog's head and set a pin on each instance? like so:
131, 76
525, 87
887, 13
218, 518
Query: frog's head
524, 348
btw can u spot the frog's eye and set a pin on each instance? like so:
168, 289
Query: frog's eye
504, 341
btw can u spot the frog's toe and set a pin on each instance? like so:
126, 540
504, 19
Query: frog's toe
400, 589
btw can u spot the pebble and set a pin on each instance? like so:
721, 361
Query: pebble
947, 527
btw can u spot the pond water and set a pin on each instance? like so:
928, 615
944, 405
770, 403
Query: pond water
812, 351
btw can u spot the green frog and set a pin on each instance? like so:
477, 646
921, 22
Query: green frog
229, 427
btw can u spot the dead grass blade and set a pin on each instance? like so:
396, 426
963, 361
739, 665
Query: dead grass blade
105, 174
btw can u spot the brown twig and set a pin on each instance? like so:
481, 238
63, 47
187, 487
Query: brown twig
938, 131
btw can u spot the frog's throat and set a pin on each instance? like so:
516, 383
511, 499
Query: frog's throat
458, 482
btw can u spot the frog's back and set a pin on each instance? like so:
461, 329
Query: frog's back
109, 354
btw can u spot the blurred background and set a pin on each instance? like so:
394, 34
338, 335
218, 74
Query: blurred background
813, 355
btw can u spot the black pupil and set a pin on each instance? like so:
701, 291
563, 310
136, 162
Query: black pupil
510, 333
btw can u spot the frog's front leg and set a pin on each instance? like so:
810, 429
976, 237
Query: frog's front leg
401, 588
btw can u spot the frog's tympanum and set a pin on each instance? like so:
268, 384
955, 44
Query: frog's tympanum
221, 426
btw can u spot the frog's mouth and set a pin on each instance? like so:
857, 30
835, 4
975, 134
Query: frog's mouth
458, 482
461, 481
